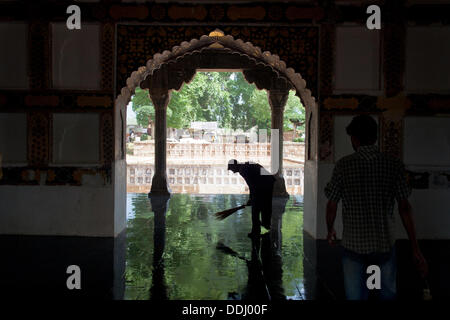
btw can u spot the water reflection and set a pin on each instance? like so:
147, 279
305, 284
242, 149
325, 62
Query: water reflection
264, 281
172, 250
158, 290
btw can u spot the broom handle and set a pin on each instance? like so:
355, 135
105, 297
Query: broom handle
231, 211
239, 208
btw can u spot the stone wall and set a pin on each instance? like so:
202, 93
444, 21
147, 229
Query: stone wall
210, 179
256, 151
202, 167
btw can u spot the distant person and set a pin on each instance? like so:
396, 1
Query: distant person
132, 136
368, 182
261, 187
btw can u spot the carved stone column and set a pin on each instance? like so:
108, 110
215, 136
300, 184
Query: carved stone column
160, 99
277, 101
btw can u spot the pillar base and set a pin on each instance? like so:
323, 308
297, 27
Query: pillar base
279, 187
159, 202
159, 186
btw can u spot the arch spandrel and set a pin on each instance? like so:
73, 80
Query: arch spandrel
182, 69
187, 55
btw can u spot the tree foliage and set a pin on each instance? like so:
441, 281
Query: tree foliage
293, 111
225, 97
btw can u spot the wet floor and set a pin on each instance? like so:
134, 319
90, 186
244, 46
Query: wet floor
176, 249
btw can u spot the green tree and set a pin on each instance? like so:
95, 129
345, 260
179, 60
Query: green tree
262, 114
206, 98
259, 106
294, 110
241, 93
224, 97
143, 107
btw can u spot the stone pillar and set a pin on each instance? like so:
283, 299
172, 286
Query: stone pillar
277, 101
160, 101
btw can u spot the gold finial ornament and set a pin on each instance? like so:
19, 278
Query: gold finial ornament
217, 33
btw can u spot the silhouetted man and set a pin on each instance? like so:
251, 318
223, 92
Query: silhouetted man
368, 183
261, 187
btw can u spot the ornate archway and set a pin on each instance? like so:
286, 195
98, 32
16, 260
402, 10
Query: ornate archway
171, 69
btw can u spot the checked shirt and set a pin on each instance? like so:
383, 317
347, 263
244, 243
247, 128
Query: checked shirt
368, 183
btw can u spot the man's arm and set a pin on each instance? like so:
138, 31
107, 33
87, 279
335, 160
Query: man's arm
405, 211
331, 217
333, 191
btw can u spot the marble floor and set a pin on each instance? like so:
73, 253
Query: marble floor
174, 248
179, 250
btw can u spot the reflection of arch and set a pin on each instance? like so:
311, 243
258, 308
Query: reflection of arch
171, 69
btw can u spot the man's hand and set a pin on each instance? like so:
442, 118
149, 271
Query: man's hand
405, 211
331, 237
249, 202
421, 263
330, 217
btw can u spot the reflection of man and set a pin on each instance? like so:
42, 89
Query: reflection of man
257, 288
265, 272
261, 187
369, 182
272, 267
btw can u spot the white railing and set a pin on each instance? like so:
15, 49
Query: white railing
219, 150
205, 179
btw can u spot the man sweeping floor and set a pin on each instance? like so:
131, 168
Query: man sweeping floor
260, 183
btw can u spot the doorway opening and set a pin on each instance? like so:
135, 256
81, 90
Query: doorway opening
176, 248
217, 117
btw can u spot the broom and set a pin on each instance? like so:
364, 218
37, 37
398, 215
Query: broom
226, 213
227, 250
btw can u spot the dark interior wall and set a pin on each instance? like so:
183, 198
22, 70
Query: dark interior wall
37, 267
303, 35
307, 36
